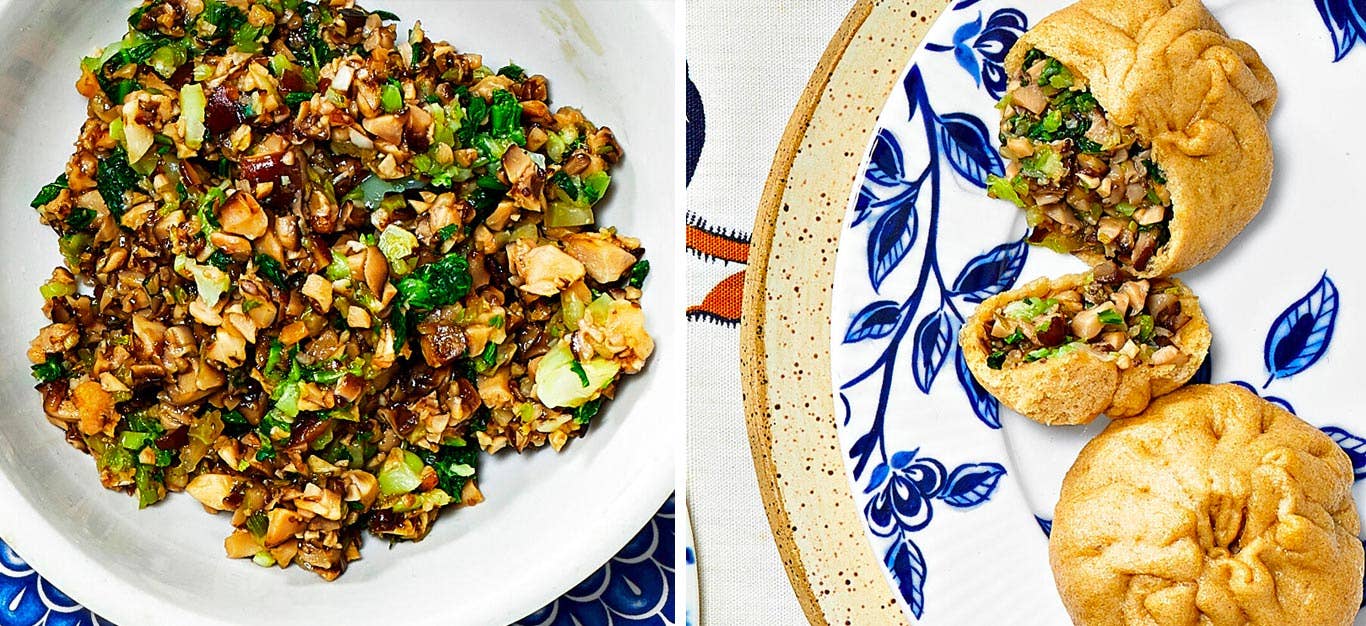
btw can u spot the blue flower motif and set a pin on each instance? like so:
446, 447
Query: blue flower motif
904, 489
635, 587
1346, 22
902, 493
981, 49
26, 599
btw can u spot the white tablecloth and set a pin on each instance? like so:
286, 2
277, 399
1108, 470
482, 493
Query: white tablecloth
748, 62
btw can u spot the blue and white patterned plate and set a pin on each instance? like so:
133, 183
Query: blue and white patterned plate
957, 492
635, 588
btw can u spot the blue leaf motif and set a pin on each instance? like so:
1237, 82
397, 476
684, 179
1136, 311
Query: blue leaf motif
892, 237
914, 86
933, 340
968, 147
1301, 334
875, 321
963, 4
907, 565
878, 477
983, 403
901, 460
967, 31
885, 166
1046, 525
863, 450
962, 50
992, 272
972, 484
863, 205
1346, 22
1354, 446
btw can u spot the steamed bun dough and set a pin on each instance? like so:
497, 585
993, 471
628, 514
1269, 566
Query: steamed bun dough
1167, 69
1214, 507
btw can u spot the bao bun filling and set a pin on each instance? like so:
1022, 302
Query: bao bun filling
1112, 314
1084, 181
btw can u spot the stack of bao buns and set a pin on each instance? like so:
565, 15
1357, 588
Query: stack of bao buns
1198, 505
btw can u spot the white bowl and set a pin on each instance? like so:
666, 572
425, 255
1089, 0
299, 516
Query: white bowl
550, 519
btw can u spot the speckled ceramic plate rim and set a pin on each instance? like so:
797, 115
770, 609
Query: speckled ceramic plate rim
789, 409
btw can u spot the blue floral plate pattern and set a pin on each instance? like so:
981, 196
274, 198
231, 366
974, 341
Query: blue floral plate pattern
635, 588
957, 491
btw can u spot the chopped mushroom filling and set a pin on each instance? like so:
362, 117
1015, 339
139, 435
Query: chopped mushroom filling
1132, 321
1084, 181
314, 272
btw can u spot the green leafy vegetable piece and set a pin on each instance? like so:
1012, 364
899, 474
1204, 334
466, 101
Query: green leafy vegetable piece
1007, 188
1044, 164
168, 58
1028, 308
1015, 337
1056, 74
270, 269
296, 98
54, 289
391, 97
1155, 172
577, 367
513, 71
49, 192
559, 383
584, 414
257, 523
487, 359
113, 177
1110, 316
455, 465
1146, 326
595, 186
80, 217
396, 243
505, 117
437, 284
51, 369
371, 191
245, 39
339, 268
150, 489
996, 359
638, 273
192, 108
401, 473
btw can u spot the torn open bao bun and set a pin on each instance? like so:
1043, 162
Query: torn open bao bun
1166, 70
1075, 386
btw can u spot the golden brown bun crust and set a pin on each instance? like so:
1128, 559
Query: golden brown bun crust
1167, 69
1076, 387
1214, 507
